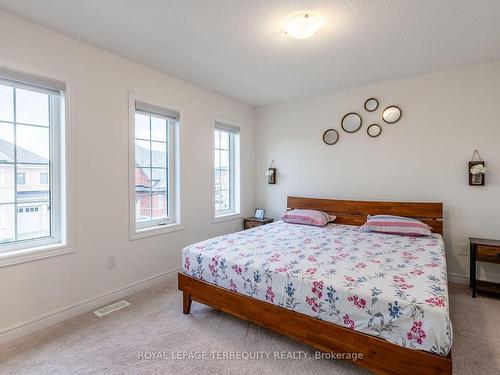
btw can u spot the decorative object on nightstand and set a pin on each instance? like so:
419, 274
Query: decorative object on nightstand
252, 222
271, 174
259, 213
483, 250
477, 169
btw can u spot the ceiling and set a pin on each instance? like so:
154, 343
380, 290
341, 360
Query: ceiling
238, 48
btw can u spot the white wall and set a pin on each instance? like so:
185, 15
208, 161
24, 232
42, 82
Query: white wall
421, 158
101, 82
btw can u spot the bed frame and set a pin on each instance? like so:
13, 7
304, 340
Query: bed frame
378, 355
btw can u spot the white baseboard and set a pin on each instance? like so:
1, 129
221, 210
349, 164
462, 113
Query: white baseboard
457, 278
65, 313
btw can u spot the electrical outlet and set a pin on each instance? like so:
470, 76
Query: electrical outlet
462, 249
111, 261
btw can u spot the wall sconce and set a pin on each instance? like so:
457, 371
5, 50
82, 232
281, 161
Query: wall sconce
477, 169
271, 174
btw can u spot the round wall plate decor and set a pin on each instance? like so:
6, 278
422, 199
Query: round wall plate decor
371, 104
351, 122
391, 114
330, 136
374, 130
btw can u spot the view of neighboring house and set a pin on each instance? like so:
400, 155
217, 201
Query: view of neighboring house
151, 200
150, 183
32, 208
221, 186
222, 173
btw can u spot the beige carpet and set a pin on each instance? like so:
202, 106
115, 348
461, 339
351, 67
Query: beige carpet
154, 322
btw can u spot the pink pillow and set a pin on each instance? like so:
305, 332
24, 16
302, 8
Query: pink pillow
396, 225
307, 217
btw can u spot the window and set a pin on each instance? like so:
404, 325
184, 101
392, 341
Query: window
44, 178
155, 168
226, 170
21, 178
31, 122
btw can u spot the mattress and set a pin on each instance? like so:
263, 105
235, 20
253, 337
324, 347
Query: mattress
389, 286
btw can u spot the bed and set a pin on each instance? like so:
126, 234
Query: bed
335, 288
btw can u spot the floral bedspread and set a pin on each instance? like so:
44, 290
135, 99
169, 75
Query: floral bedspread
390, 286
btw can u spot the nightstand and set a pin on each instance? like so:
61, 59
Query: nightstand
483, 250
252, 222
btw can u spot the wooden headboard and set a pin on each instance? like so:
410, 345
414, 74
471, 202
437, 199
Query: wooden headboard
355, 212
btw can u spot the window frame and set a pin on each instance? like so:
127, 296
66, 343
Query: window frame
160, 226
54, 165
63, 239
233, 127
170, 172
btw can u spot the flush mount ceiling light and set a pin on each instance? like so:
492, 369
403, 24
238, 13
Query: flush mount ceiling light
302, 26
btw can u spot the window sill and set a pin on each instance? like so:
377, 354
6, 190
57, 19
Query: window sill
11, 258
155, 231
227, 217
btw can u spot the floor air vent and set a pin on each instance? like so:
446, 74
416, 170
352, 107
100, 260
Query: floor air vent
111, 308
